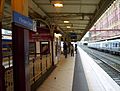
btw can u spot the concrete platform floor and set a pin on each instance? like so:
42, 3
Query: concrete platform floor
61, 79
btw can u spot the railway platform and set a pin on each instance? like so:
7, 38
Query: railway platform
61, 78
35, 33
79, 73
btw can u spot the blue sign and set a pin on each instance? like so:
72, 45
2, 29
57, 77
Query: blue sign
73, 35
22, 20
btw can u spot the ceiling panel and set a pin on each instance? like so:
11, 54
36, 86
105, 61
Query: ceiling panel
42, 1
84, 9
80, 13
66, 9
81, 21
90, 1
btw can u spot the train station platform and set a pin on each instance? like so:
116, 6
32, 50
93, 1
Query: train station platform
79, 73
61, 78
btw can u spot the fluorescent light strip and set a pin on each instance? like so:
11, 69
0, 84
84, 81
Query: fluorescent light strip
66, 21
58, 5
68, 27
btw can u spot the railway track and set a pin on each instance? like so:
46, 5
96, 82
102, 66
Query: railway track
112, 68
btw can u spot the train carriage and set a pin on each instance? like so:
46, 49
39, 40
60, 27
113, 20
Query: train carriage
111, 46
6, 49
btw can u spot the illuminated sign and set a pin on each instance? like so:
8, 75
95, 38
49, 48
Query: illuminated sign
6, 34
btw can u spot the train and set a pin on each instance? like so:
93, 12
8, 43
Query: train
6, 47
111, 46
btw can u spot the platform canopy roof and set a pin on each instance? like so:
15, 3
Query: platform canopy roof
81, 14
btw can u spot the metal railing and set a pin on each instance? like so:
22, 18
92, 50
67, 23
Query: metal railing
37, 66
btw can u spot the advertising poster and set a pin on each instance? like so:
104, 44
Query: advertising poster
32, 50
44, 47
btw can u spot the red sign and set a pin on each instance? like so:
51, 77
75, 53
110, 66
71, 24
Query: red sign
41, 34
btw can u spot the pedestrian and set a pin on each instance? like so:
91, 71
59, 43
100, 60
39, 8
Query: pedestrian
72, 50
76, 48
65, 49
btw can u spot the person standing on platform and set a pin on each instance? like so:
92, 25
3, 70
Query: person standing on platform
76, 48
65, 49
72, 50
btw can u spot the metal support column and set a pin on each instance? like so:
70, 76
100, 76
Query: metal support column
2, 69
20, 40
52, 34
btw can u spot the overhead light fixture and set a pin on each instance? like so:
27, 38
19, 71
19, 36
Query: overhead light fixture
66, 21
58, 35
58, 5
68, 27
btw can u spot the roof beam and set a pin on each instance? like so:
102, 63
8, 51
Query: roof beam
67, 16
72, 19
66, 0
35, 7
80, 4
77, 28
72, 23
70, 13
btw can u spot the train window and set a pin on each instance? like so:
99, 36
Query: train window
110, 44
115, 44
6, 47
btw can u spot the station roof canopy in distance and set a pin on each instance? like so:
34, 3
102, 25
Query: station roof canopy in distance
80, 15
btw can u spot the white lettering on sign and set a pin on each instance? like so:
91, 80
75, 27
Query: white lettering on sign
24, 21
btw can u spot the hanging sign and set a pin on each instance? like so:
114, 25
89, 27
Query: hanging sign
22, 20
34, 26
